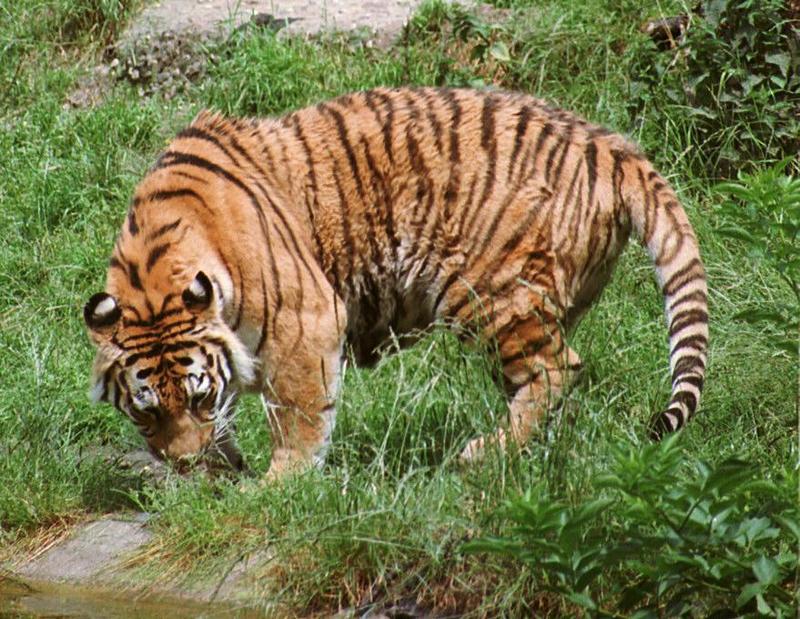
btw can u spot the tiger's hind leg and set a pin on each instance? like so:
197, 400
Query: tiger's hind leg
537, 368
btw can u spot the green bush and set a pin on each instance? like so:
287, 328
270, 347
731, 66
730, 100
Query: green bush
763, 210
664, 539
733, 83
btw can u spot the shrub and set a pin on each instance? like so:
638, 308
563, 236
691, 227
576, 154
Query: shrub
663, 539
732, 85
763, 210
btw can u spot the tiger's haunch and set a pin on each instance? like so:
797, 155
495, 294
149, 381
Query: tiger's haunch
257, 251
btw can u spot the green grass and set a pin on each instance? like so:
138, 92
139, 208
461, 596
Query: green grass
386, 518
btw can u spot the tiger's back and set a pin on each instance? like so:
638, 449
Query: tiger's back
380, 212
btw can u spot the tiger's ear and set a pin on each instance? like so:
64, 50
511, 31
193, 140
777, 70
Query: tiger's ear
101, 313
198, 296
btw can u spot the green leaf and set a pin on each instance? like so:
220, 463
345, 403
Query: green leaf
714, 10
788, 346
762, 606
749, 591
780, 60
499, 52
582, 600
766, 570
792, 525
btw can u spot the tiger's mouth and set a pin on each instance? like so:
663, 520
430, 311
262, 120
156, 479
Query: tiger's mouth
213, 459
209, 445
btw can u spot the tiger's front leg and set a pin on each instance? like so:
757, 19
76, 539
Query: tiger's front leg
303, 368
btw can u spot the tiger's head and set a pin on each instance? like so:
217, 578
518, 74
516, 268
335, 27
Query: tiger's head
174, 371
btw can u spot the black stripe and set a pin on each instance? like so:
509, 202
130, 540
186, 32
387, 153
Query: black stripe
511, 282
380, 190
133, 276
114, 263
698, 342
697, 381
175, 158
196, 132
167, 298
299, 304
545, 132
265, 314
686, 365
698, 295
434, 122
344, 220
312, 176
451, 279
567, 145
241, 299
682, 277
488, 236
567, 203
276, 283
133, 227
192, 177
153, 319
157, 252
487, 123
161, 196
687, 398
163, 230
368, 212
617, 178
522, 127
686, 318
551, 157
649, 211
158, 350
388, 126
590, 157
341, 130
455, 121
173, 329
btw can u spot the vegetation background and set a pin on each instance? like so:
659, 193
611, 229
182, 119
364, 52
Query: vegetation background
589, 518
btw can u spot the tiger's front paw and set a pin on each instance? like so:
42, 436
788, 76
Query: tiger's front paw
476, 449
472, 452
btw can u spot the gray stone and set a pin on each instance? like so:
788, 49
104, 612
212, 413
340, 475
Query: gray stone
92, 553
213, 17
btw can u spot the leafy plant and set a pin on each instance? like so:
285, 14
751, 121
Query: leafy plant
763, 210
733, 83
471, 50
662, 540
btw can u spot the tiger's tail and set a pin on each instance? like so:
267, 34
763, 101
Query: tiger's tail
660, 223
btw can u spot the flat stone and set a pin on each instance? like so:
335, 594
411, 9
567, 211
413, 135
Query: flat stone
303, 16
239, 582
92, 553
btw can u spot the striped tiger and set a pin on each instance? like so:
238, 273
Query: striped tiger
257, 252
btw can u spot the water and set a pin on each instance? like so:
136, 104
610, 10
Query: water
37, 601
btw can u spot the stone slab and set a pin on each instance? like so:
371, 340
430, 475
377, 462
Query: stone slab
93, 552
210, 17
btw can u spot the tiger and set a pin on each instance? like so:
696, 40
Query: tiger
261, 254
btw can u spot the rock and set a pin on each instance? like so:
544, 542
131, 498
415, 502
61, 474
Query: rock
93, 552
